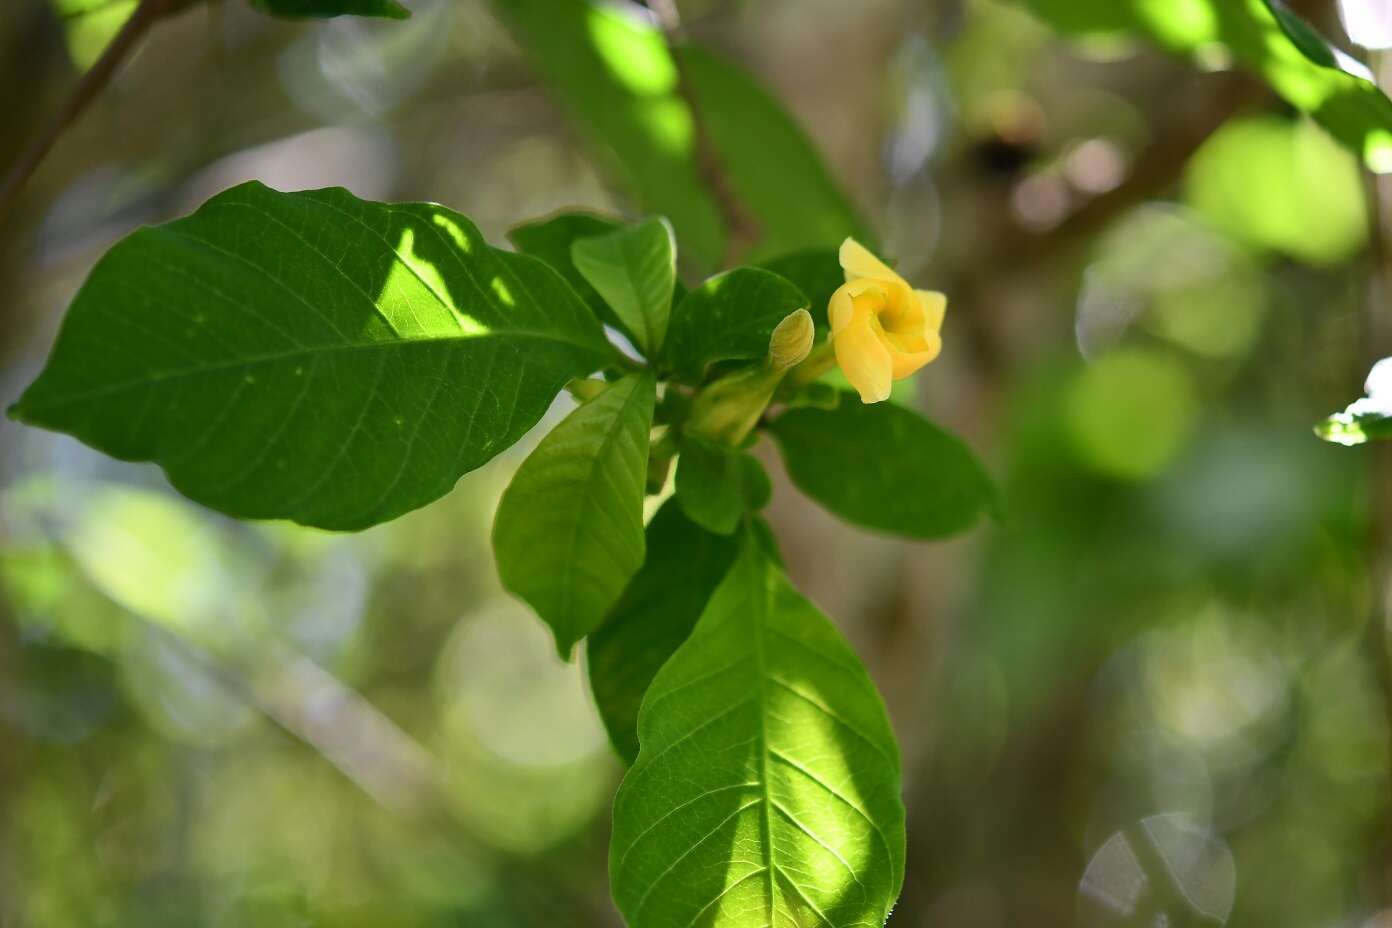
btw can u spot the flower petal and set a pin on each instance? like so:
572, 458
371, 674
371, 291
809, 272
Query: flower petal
857, 261
934, 307
905, 363
864, 359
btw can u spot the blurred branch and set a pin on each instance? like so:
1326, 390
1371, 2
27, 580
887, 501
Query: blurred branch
741, 225
88, 89
1154, 172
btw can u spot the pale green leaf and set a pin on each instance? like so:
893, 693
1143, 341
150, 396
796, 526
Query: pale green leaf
884, 467
568, 535
635, 270
766, 790
728, 318
717, 485
654, 616
312, 356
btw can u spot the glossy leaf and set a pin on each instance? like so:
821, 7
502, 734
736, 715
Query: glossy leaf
884, 467
322, 9
654, 616
312, 356
634, 269
772, 166
766, 790
717, 485
728, 318
568, 535
1266, 37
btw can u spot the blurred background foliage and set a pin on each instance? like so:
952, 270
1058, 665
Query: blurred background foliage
1167, 657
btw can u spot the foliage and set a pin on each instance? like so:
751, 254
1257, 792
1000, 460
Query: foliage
618, 386
1265, 36
337, 362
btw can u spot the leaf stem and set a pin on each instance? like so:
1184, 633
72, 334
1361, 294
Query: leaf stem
88, 89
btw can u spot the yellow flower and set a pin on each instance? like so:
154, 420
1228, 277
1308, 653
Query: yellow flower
881, 328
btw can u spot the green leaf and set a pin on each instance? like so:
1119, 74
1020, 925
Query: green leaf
635, 270
90, 25
728, 318
612, 72
568, 535
312, 356
817, 273
1313, 204
1266, 37
551, 239
716, 485
772, 167
884, 467
766, 790
1365, 419
658, 609
323, 9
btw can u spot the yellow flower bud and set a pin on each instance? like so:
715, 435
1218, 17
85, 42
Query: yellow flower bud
882, 329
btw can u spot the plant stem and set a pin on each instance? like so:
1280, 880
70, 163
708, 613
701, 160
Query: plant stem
88, 89
740, 225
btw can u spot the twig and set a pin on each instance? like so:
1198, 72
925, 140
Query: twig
740, 224
88, 89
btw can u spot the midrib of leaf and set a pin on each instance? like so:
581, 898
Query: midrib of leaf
615, 428
304, 353
765, 824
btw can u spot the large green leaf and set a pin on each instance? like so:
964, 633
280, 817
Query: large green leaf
635, 270
654, 616
1264, 36
550, 240
766, 790
884, 467
716, 484
613, 73
773, 168
312, 356
728, 318
569, 530
388, 9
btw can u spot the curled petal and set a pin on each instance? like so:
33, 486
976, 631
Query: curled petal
858, 262
864, 358
934, 307
907, 362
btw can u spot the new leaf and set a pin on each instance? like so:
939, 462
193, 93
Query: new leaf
568, 535
635, 270
312, 356
766, 790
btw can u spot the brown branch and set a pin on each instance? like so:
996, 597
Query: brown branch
741, 225
88, 89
